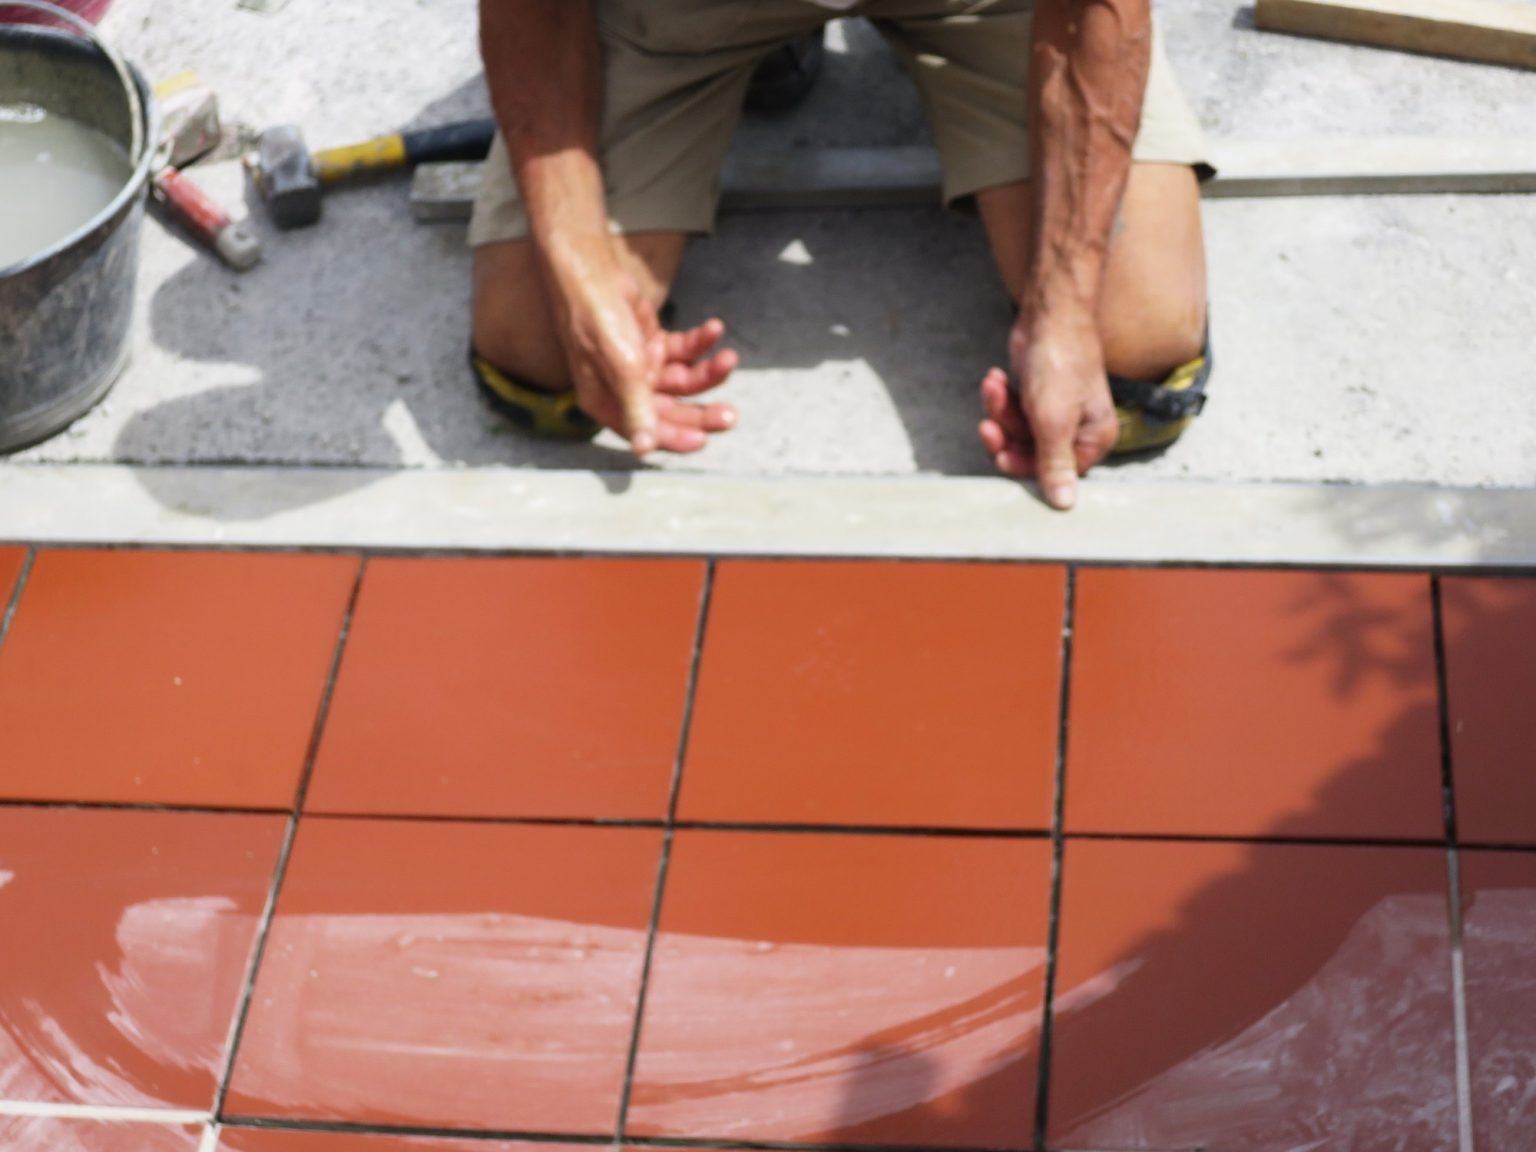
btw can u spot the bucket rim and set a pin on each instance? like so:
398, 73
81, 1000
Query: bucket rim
137, 180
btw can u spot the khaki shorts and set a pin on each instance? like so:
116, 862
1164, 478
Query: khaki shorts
676, 72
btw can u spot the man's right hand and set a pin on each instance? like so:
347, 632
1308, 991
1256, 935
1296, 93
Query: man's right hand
544, 69
1062, 421
636, 377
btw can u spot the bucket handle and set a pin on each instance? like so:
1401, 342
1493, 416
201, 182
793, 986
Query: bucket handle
135, 105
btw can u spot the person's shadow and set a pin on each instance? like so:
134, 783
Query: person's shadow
336, 350
346, 348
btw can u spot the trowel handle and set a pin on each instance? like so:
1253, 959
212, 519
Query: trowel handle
206, 220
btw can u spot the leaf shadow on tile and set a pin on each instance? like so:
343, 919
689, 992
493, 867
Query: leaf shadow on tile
1264, 1014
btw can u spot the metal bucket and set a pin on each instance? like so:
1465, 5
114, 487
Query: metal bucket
65, 311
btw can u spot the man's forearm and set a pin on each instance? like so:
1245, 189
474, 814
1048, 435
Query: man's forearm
1088, 76
543, 69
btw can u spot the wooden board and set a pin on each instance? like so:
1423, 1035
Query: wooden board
1382, 165
906, 177
765, 181
1492, 31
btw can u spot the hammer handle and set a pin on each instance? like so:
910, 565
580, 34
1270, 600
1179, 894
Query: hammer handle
466, 140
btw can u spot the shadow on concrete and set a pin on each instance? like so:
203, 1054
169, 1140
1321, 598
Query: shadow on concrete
908, 296
352, 335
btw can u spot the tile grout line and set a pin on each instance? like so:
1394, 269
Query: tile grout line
285, 852
14, 601
1288, 841
685, 729
1465, 1137
410, 1131
958, 832
577, 1140
1058, 846
871, 830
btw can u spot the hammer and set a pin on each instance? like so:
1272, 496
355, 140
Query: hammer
290, 177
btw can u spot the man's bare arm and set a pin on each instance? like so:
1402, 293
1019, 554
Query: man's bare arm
1088, 77
1088, 74
544, 70
542, 67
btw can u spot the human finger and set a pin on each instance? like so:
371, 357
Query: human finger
710, 417
1001, 406
679, 379
1054, 426
1096, 436
689, 345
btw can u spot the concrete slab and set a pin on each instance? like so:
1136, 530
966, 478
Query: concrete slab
340, 68
1358, 339
1246, 82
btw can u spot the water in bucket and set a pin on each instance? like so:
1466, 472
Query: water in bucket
56, 174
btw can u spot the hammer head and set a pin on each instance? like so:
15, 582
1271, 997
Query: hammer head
285, 177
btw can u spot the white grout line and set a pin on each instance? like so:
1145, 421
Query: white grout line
1459, 1007
104, 1112
922, 516
210, 1140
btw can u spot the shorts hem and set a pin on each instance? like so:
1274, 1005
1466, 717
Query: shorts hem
961, 190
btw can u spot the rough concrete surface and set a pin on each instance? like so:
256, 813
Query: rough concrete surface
1357, 339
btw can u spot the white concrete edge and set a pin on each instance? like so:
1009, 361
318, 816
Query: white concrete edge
503, 509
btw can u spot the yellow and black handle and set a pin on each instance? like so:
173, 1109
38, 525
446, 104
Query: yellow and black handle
465, 140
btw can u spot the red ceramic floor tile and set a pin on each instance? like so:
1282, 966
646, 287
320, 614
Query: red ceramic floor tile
46, 1134
124, 943
533, 688
863, 989
450, 976
1285, 704
10, 567
168, 678
1499, 941
1490, 665
914, 695
1253, 998
273, 1140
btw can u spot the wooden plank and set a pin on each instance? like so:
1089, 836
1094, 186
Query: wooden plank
831, 178
1492, 31
903, 177
756, 182
1391, 165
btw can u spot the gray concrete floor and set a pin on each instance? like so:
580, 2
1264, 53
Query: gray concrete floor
1358, 339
